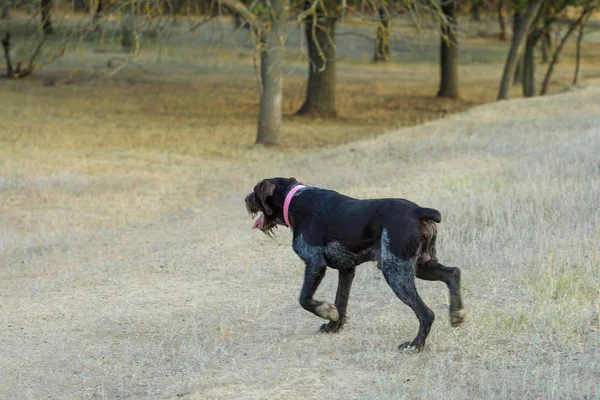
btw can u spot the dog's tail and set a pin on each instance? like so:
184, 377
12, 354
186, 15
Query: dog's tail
428, 213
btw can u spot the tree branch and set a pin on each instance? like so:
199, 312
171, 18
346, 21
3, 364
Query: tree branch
588, 9
239, 8
362, 35
308, 11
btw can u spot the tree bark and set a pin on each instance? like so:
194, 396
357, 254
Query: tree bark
6, 47
320, 91
80, 5
382, 45
237, 21
475, 10
587, 10
518, 75
516, 46
98, 14
448, 53
533, 37
127, 30
578, 53
546, 46
529, 66
271, 68
4, 7
46, 11
502, 20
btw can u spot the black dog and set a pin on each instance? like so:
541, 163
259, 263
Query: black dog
338, 231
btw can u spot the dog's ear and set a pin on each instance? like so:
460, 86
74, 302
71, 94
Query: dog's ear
265, 190
293, 179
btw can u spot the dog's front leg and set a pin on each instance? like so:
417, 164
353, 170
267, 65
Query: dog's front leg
313, 275
341, 300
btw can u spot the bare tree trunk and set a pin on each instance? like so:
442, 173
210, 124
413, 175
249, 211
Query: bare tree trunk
533, 37
578, 53
80, 5
382, 46
546, 46
529, 66
4, 7
320, 92
549, 16
476, 10
237, 21
518, 75
516, 47
98, 14
501, 18
587, 10
271, 68
6, 47
449, 54
127, 30
99, 9
46, 11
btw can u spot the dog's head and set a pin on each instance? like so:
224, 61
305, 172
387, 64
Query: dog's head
267, 200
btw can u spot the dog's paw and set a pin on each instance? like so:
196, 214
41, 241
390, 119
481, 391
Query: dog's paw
333, 326
457, 317
409, 347
328, 311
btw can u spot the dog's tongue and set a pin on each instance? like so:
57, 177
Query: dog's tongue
259, 222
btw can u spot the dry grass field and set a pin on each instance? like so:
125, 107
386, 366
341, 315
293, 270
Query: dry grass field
129, 269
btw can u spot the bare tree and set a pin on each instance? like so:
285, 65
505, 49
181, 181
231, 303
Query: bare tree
382, 44
271, 68
586, 11
4, 7
98, 12
578, 51
541, 25
448, 52
80, 5
476, 10
518, 20
22, 69
502, 20
46, 12
320, 21
546, 44
271, 38
517, 43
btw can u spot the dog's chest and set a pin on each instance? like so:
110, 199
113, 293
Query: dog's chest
339, 257
334, 254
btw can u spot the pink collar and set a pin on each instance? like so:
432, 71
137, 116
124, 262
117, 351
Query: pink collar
288, 201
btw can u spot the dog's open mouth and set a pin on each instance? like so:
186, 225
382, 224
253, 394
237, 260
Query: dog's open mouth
259, 223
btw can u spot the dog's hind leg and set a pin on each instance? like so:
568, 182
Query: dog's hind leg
341, 300
434, 271
402, 281
399, 274
313, 275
